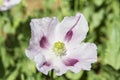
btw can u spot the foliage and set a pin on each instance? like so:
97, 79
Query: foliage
104, 24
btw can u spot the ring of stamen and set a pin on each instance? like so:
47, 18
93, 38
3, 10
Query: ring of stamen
59, 48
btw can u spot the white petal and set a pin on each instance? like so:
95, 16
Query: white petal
45, 26
59, 67
80, 66
11, 2
44, 69
83, 50
31, 53
41, 35
33, 48
73, 28
55, 63
86, 53
39, 59
44, 62
7, 4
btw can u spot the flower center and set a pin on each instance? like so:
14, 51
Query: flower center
59, 48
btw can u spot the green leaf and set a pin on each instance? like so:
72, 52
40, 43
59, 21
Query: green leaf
106, 73
112, 56
97, 18
98, 2
13, 74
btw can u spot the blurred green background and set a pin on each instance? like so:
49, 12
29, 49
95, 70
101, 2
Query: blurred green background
103, 17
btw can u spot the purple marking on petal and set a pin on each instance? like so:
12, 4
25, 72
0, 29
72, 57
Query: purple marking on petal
70, 62
43, 42
69, 35
46, 64
76, 22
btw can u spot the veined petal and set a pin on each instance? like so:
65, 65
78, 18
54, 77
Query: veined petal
45, 67
45, 26
39, 59
73, 29
84, 51
52, 62
59, 67
42, 34
43, 62
82, 55
32, 50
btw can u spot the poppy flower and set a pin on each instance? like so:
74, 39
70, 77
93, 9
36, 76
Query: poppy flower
59, 45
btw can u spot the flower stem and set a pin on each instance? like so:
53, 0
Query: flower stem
52, 75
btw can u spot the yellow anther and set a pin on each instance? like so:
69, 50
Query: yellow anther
59, 48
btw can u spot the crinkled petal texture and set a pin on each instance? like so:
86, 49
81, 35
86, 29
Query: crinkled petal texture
7, 4
80, 57
42, 35
71, 31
